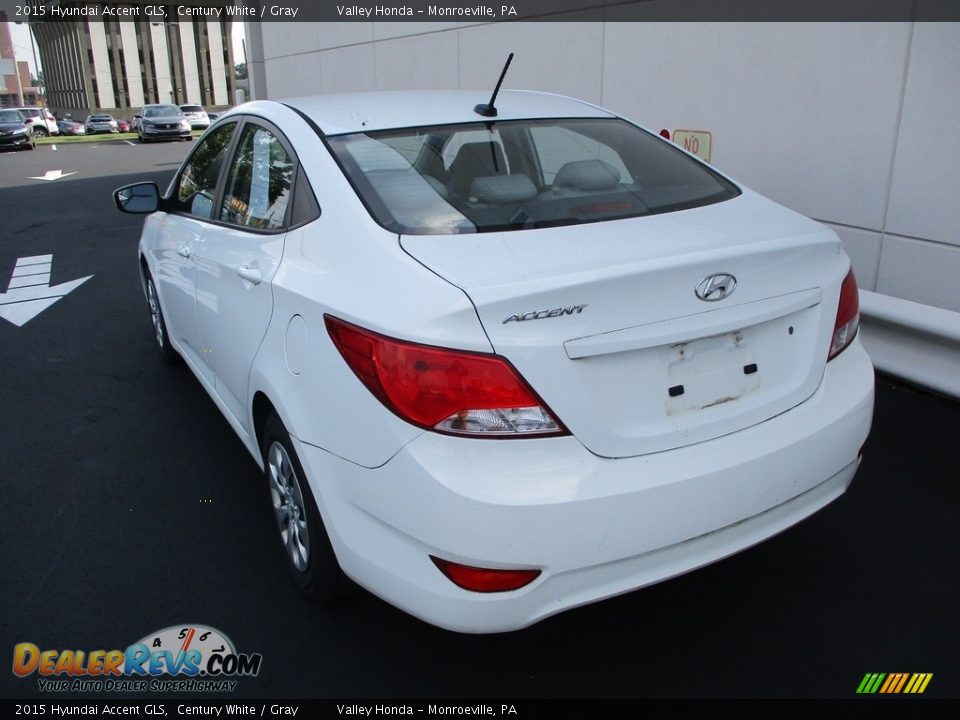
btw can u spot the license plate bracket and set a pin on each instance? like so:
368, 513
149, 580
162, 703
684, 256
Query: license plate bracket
710, 372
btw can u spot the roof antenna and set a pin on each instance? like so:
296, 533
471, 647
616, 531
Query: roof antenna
489, 110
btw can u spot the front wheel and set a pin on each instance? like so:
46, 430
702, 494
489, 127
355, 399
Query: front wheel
159, 326
307, 552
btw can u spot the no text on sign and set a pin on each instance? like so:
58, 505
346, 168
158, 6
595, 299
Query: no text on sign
698, 142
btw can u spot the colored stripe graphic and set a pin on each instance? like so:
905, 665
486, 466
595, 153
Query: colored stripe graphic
918, 683
894, 683
870, 683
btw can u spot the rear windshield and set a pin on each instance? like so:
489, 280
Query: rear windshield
520, 174
100, 118
191, 108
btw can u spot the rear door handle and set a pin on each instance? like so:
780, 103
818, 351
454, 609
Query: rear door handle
251, 274
183, 251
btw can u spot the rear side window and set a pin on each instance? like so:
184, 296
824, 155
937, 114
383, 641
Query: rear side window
258, 187
521, 174
197, 185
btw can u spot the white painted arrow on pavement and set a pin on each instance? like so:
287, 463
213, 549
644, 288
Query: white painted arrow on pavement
53, 175
29, 292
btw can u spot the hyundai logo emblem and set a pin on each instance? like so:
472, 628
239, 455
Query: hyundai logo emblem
716, 287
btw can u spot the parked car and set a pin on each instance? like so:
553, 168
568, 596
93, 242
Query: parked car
41, 122
199, 120
71, 127
499, 362
101, 123
15, 132
123, 125
162, 121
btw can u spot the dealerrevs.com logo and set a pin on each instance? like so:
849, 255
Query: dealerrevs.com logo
180, 658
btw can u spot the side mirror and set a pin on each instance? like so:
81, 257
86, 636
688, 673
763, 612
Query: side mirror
138, 199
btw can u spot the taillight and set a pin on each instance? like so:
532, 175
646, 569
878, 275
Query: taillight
848, 317
485, 579
450, 391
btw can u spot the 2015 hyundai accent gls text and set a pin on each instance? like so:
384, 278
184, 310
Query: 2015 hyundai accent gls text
496, 365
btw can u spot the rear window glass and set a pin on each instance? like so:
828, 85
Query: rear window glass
515, 175
191, 108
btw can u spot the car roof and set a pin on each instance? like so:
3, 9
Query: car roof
363, 112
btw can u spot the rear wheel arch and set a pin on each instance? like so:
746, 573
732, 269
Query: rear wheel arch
261, 410
308, 552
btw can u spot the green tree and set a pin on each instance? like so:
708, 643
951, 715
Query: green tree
240, 71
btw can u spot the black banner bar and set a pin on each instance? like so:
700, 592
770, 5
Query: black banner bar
439, 11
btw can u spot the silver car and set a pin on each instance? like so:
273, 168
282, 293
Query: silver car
101, 123
199, 120
157, 122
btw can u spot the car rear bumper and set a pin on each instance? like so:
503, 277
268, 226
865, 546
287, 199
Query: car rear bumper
596, 527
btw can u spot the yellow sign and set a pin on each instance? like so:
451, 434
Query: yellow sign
698, 142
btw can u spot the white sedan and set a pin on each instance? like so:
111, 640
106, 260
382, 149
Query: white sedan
496, 365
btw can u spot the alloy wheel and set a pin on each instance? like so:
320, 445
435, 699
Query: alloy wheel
288, 506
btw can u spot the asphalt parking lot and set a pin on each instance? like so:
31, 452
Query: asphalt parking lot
128, 505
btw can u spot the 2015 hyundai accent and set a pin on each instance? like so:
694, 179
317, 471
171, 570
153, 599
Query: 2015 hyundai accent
497, 362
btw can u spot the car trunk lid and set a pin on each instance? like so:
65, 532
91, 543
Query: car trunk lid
604, 322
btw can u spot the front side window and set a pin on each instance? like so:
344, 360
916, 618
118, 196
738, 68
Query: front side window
197, 185
258, 187
521, 174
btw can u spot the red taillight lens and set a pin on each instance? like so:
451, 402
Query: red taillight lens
451, 391
848, 317
485, 579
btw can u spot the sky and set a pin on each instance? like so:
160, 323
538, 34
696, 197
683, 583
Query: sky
21, 44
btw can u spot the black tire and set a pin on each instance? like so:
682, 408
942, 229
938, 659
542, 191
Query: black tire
306, 547
40, 132
167, 352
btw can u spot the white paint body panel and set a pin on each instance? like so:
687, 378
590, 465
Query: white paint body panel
596, 527
632, 496
636, 278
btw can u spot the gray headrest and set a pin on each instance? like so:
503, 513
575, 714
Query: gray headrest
503, 189
587, 175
